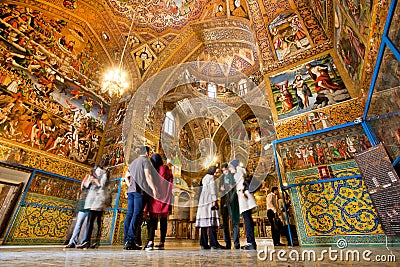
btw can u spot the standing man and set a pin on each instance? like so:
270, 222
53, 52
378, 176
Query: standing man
229, 207
139, 181
272, 213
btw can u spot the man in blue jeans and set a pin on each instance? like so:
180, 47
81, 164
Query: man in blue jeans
140, 184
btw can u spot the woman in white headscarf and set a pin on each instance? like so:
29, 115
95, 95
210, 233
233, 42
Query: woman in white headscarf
207, 217
247, 203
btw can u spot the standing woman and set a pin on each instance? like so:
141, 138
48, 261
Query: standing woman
247, 203
81, 219
95, 202
159, 208
207, 217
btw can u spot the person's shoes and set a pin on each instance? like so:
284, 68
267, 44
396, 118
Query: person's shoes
149, 247
218, 247
159, 247
279, 245
205, 247
237, 246
95, 245
249, 247
130, 246
84, 245
69, 246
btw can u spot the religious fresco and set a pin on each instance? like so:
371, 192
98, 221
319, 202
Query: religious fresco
55, 187
360, 14
307, 87
324, 149
320, 9
113, 152
47, 79
219, 9
160, 15
144, 56
21, 154
387, 130
383, 116
389, 74
349, 47
238, 8
70, 4
288, 35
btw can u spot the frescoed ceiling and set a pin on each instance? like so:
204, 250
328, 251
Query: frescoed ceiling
160, 15
66, 46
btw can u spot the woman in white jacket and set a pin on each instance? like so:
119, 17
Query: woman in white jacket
247, 203
207, 217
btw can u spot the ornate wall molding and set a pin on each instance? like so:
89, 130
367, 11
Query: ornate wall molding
27, 156
261, 33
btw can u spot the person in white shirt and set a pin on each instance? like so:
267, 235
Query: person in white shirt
272, 214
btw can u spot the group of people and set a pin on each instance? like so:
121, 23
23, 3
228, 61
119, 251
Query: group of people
149, 194
235, 199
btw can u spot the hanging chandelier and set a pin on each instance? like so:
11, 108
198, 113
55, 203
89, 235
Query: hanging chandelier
115, 80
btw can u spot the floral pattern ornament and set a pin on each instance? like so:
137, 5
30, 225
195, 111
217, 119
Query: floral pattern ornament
70, 4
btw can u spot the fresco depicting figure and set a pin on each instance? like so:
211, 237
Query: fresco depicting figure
302, 92
288, 35
48, 100
349, 46
315, 84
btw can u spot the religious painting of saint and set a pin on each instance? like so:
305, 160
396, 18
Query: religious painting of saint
349, 46
307, 87
143, 57
360, 12
238, 9
288, 35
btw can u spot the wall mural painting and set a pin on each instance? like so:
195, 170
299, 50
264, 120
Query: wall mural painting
323, 118
238, 8
389, 76
307, 87
56, 187
219, 9
143, 57
113, 153
360, 12
288, 35
329, 148
70, 4
349, 46
160, 14
320, 9
387, 130
48, 75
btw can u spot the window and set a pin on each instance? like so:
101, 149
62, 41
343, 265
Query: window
242, 87
212, 90
169, 124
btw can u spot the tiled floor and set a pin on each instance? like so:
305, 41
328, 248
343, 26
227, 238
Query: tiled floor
187, 253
